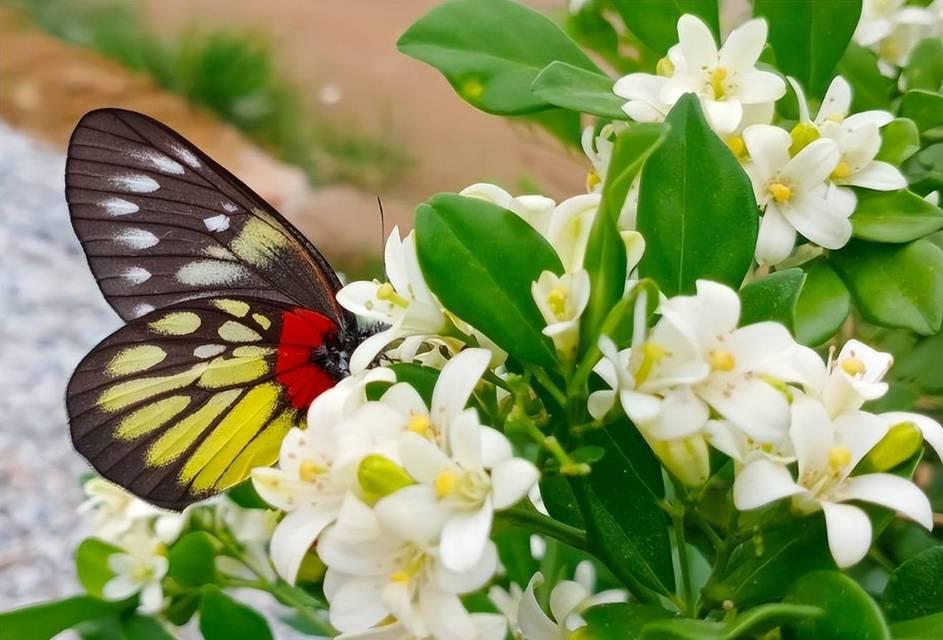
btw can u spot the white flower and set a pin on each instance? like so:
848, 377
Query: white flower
854, 377
858, 138
568, 600
487, 626
116, 510
405, 302
827, 451
374, 574
900, 31
562, 301
508, 602
877, 21
465, 471
535, 210
795, 194
725, 81
139, 569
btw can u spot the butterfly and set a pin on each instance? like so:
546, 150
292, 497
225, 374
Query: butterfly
232, 328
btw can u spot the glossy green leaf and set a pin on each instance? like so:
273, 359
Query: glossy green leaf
562, 124
870, 89
924, 169
480, 260
809, 37
138, 627
193, 559
915, 588
222, 618
619, 500
772, 298
924, 68
894, 216
419, 377
560, 500
491, 51
655, 22
182, 608
900, 139
919, 628
898, 286
91, 564
925, 108
245, 495
823, 305
921, 365
570, 87
696, 207
620, 621
849, 610
751, 623
44, 621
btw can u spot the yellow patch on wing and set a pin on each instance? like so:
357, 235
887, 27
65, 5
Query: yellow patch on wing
135, 359
124, 394
262, 321
228, 438
236, 308
259, 242
176, 440
150, 417
228, 372
233, 331
176, 323
261, 452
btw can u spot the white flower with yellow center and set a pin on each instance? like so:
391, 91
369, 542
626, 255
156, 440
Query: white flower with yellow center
562, 301
827, 452
854, 376
877, 21
139, 569
725, 81
404, 302
892, 29
374, 574
794, 193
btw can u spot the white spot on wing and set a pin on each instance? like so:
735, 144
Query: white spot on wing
142, 309
119, 207
136, 183
159, 161
208, 350
230, 207
136, 275
185, 155
217, 223
137, 238
211, 272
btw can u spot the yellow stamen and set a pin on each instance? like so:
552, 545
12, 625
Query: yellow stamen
737, 146
853, 366
803, 134
386, 292
842, 171
651, 354
309, 470
780, 192
419, 423
401, 577
838, 458
445, 483
556, 299
721, 360
592, 180
717, 77
665, 67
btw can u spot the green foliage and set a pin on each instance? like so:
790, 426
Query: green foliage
91, 564
222, 618
849, 612
925, 108
620, 620
696, 207
924, 68
750, 624
654, 22
192, 560
823, 304
900, 139
915, 588
894, 216
43, 621
772, 298
570, 87
870, 88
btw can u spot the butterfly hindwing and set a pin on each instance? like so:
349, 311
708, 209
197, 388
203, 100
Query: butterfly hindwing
161, 222
182, 402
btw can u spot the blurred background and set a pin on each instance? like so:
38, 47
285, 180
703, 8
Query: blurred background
307, 101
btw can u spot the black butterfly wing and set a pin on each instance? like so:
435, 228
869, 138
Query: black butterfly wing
183, 402
161, 222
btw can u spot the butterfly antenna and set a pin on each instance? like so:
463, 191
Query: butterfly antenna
382, 224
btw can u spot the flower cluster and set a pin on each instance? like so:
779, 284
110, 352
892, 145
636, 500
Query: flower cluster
892, 28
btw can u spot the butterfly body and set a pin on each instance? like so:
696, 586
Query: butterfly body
233, 326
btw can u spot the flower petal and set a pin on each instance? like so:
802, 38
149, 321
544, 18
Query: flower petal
357, 605
879, 176
471, 580
768, 147
849, 533
813, 165
776, 239
565, 598
295, 534
836, 103
696, 42
465, 537
413, 513
456, 383
511, 480
763, 481
367, 351
760, 87
681, 414
743, 46
813, 217
893, 492
724, 115
811, 434
534, 623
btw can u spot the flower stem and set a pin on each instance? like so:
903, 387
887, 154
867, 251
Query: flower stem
683, 560
541, 376
537, 522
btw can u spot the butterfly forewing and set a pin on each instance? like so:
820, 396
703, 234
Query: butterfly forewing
182, 402
161, 222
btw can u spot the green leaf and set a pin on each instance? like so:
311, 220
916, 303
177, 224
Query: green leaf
655, 22
900, 139
772, 298
915, 588
480, 260
91, 564
924, 170
43, 621
491, 51
620, 621
823, 305
696, 207
919, 628
562, 124
924, 68
625, 525
751, 623
193, 560
894, 216
898, 286
763, 568
921, 365
182, 607
222, 618
925, 108
849, 610
245, 495
870, 89
809, 37
138, 627
419, 377
560, 500
577, 89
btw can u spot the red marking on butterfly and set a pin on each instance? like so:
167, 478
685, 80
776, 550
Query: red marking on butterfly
303, 332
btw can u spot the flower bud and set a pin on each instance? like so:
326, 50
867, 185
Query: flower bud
803, 134
379, 477
665, 67
686, 458
312, 568
898, 445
